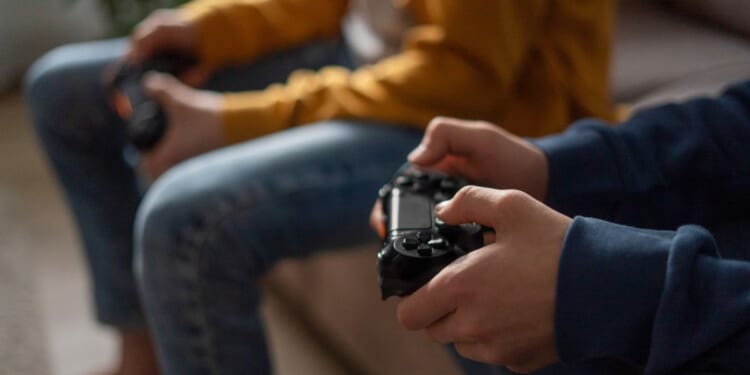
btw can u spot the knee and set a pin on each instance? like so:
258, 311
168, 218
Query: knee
64, 88
162, 218
50, 76
169, 225
192, 223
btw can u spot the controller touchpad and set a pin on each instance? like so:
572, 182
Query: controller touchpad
411, 212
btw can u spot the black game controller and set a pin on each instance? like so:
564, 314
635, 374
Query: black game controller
417, 244
145, 120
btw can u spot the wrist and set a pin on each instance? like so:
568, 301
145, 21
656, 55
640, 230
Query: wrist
527, 170
596, 290
538, 174
582, 177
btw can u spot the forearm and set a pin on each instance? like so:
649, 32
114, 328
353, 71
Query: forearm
400, 90
671, 165
660, 300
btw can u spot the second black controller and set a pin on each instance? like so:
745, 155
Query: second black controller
417, 244
145, 120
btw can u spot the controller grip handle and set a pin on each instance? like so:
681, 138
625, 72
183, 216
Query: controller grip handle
147, 125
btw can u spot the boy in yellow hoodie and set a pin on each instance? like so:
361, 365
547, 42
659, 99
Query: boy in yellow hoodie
221, 216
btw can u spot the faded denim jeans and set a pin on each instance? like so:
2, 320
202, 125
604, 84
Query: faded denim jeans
184, 256
209, 227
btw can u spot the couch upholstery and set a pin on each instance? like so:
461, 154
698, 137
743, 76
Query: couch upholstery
660, 54
657, 46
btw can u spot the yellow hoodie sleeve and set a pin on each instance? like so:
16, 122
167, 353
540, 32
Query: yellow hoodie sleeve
233, 31
465, 60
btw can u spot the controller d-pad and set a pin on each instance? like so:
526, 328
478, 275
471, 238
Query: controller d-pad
423, 237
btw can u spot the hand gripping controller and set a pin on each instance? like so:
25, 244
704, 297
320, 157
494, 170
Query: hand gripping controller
417, 244
145, 120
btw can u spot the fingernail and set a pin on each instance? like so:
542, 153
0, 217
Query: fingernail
441, 206
152, 80
417, 153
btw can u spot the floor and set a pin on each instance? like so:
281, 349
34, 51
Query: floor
73, 343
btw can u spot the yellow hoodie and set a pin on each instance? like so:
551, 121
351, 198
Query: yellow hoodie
531, 66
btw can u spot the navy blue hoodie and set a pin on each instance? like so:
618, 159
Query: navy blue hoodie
641, 280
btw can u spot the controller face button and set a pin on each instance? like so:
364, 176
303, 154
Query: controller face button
440, 224
471, 228
410, 243
438, 243
424, 251
423, 237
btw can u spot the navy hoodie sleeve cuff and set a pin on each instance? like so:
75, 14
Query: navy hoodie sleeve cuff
610, 282
583, 173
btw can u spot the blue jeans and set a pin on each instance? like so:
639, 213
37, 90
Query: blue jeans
210, 226
84, 141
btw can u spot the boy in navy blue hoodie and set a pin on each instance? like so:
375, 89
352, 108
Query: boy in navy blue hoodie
615, 266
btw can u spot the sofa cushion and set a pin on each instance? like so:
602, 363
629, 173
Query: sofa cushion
338, 296
709, 82
655, 45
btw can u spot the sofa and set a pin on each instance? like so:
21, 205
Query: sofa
29, 28
664, 50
